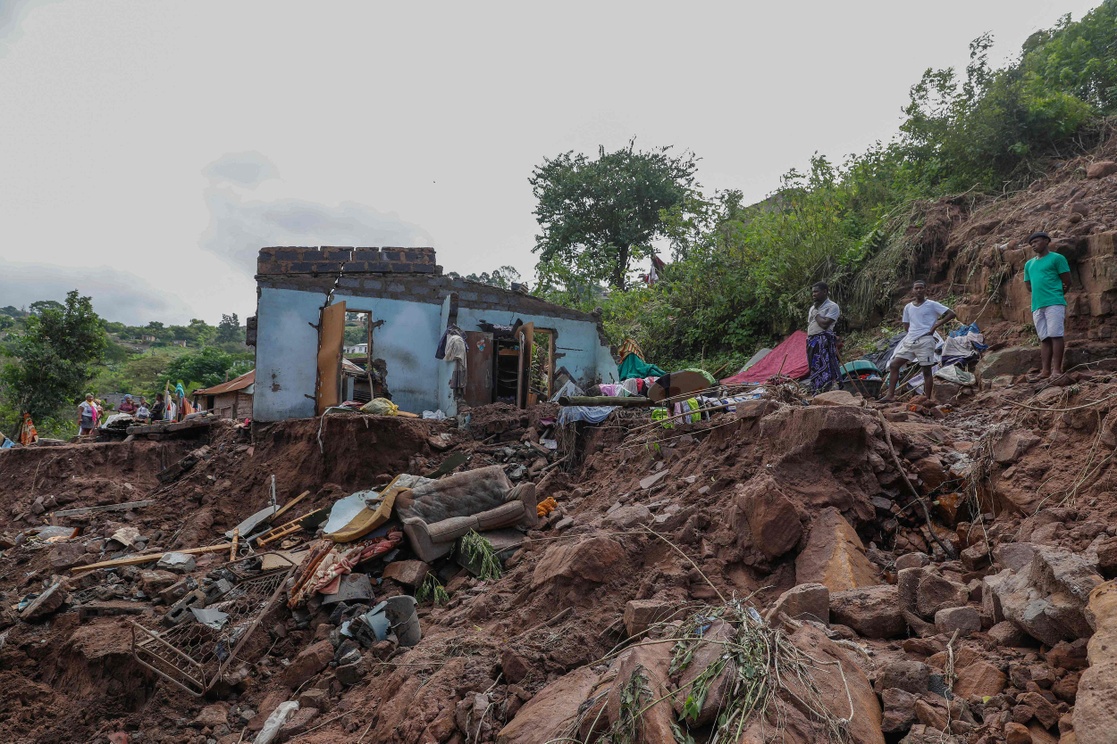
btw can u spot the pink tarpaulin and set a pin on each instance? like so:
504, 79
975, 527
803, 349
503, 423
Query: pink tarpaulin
788, 359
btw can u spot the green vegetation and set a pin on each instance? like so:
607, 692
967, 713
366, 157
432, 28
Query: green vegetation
50, 360
52, 353
741, 274
598, 216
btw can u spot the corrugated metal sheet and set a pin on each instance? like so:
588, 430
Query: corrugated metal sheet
237, 383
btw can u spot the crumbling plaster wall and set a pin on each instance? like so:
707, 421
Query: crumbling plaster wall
405, 289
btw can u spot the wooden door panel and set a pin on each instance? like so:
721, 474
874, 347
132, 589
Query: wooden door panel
479, 368
331, 338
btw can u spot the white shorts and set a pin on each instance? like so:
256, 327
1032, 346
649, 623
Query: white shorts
922, 351
1049, 321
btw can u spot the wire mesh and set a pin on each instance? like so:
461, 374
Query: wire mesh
195, 656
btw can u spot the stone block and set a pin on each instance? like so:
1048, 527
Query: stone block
874, 612
964, 620
1101, 169
980, 679
803, 602
912, 560
310, 661
903, 674
410, 573
766, 517
640, 614
936, 593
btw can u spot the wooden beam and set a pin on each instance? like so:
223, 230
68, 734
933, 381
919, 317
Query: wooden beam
134, 560
108, 507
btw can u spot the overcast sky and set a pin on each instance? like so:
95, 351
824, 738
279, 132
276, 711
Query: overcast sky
149, 149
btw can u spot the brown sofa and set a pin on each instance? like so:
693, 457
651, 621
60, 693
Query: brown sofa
436, 513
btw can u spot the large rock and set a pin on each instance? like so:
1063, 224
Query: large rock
766, 515
1017, 360
805, 601
836, 398
1101, 169
310, 661
1095, 709
705, 655
637, 681
593, 560
845, 694
980, 679
936, 593
552, 711
873, 611
1048, 599
834, 555
1013, 445
899, 711
410, 573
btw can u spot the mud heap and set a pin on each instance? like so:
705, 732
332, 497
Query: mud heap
786, 572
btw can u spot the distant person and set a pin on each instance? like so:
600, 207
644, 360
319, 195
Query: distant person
127, 405
142, 412
822, 343
922, 317
87, 415
1047, 278
160, 408
28, 434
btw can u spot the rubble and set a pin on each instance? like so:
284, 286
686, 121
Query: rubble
801, 509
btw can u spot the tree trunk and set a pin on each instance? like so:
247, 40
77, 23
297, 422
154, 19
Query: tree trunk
620, 268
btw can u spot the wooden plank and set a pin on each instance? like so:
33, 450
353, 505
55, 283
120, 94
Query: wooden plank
135, 560
287, 507
108, 507
479, 368
331, 341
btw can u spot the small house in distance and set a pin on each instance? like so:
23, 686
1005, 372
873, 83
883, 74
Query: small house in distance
518, 348
232, 399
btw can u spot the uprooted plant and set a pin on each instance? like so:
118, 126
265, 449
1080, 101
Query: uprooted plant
758, 664
432, 589
481, 556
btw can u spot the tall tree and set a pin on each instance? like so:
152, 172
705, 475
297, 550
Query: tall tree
52, 359
229, 330
598, 216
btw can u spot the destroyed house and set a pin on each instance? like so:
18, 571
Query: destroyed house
392, 307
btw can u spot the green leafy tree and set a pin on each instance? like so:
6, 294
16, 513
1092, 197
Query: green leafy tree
598, 216
503, 277
203, 368
229, 330
53, 357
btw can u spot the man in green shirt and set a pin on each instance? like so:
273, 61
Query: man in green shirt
1047, 277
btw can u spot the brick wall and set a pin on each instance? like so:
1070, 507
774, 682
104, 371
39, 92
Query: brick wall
333, 260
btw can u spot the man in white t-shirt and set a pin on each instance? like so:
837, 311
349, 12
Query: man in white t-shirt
922, 317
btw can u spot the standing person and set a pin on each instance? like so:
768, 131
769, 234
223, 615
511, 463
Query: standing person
28, 434
1047, 278
160, 408
822, 343
922, 317
87, 415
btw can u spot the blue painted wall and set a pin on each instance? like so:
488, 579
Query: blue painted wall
287, 347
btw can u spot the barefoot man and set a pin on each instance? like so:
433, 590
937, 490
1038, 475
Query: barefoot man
1047, 278
922, 317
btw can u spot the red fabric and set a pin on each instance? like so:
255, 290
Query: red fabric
788, 359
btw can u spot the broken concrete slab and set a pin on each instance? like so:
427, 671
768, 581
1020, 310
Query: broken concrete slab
180, 563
